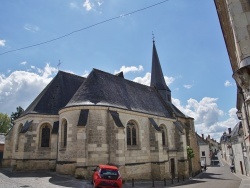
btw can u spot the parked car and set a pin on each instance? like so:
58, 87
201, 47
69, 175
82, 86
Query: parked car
106, 176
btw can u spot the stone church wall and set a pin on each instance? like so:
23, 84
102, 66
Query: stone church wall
104, 142
67, 155
6, 162
192, 142
101, 141
26, 151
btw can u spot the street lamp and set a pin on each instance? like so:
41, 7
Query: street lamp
239, 114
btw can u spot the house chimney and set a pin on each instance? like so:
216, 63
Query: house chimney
229, 130
202, 136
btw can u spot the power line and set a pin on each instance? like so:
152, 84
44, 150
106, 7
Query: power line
66, 35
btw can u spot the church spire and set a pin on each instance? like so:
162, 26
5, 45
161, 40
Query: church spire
157, 78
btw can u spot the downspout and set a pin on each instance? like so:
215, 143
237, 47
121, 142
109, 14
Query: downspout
108, 138
246, 112
57, 145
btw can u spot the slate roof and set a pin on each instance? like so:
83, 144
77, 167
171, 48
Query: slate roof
56, 94
157, 78
26, 126
201, 141
225, 137
180, 126
236, 129
101, 88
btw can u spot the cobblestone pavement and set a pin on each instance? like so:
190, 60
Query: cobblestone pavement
48, 179
41, 179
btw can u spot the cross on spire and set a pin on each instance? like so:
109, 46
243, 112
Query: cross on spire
58, 65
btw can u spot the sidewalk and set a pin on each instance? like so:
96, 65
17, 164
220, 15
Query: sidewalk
245, 180
158, 184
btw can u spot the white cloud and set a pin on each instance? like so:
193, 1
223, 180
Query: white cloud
23, 63
146, 79
126, 70
91, 4
21, 87
207, 115
187, 86
2, 42
99, 3
85, 74
32, 28
73, 5
88, 5
227, 84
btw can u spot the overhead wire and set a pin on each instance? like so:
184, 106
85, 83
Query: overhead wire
90, 26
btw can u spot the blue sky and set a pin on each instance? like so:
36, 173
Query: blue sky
188, 39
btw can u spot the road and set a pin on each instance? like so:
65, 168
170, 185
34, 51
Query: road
218, 177
215, 177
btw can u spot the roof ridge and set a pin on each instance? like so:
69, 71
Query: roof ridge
64, 72
94, 69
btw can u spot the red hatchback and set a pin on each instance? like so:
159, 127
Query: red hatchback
107, 176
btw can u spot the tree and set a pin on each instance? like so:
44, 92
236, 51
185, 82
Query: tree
16, 115
5, 124
190, 153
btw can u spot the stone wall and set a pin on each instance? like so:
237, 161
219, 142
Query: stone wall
23, 150
191, 141
101, 141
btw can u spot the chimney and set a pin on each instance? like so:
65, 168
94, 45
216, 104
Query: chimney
208, 136
202, 136
229, 130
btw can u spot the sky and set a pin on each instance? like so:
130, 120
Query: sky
38, 38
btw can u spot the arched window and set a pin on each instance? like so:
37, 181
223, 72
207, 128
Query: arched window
164, 136
18, 135
64, 133
45, 135
132, 134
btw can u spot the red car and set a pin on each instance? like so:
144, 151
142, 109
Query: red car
106, 176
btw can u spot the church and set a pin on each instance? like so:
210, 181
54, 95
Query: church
76, 123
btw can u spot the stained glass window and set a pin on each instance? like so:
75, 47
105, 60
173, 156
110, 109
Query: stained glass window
164, 134
65, 135
128, 136
45, 140
131, 133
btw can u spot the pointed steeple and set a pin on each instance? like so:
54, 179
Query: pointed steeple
157, 78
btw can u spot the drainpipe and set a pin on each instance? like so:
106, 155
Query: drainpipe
57, 144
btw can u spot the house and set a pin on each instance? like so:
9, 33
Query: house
214, 147
226, 147
204, 150
237, 136
2, 141
76, 123
233, 148
234, 17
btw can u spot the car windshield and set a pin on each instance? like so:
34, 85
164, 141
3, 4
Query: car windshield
109, 172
